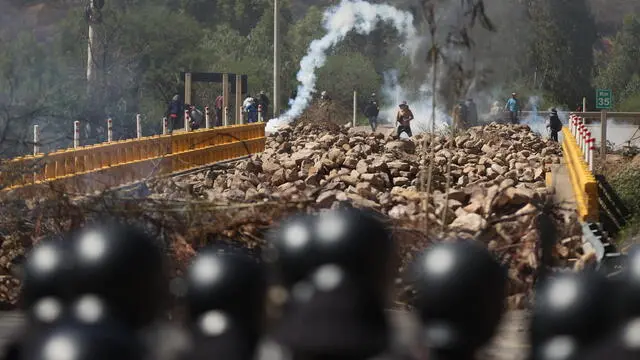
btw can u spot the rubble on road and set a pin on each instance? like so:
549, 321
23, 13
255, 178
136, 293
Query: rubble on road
497, 179
497, 184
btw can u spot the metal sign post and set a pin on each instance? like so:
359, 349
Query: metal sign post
604, 102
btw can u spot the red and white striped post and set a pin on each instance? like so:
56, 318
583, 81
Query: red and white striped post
585, 150
590, 152
109, 130
260, 119
187, 119
572, 119
581, 134
165, 126
138, 126
36, 140
76, 134
207, 117
574, 125
583, 145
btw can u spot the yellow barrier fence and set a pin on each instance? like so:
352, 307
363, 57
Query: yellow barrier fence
99, 167
583, 182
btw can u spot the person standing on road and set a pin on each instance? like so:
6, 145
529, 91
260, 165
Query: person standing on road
174, 112
263, 101
371, 111
554, 125
404, 118
252, 111
196, 117
218, 108
472, 113
245, 104
460, 115
325, 103
513, 107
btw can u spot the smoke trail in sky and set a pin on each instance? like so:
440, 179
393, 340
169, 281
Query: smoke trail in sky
359, 16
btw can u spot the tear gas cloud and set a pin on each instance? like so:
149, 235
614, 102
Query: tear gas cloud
359, 16
419, 102
490, 52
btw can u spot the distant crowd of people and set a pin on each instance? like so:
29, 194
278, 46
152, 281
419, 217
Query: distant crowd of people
251, 107
465, 113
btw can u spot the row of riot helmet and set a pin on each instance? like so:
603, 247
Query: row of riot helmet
318, 290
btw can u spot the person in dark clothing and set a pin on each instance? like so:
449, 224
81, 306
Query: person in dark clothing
218, 109
460, 116
174, 112
196, 117
472, 113
404, 118
554, 125
263, 101
371, 111
252, 112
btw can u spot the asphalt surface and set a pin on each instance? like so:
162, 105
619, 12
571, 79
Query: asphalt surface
509, 343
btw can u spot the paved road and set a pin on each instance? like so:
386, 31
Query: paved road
509, 343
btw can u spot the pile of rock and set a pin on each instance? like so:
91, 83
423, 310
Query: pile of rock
330, 164
496, 175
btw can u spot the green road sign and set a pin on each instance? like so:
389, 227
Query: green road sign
604, 99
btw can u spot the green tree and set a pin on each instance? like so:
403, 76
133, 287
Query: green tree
33, 90
622, 70
562, 49
342, 74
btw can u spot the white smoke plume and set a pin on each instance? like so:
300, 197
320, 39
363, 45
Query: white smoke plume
349, 15
393, 93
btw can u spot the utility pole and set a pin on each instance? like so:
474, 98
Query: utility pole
276, 60
93, 15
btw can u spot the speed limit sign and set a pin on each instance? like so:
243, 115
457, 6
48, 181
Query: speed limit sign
604, 99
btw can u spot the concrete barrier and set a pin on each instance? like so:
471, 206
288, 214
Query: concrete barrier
119, 162
583, 182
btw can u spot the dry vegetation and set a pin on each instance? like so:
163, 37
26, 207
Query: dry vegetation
497, 188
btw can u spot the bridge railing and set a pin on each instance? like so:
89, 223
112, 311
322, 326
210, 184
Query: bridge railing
578, 147
101, 166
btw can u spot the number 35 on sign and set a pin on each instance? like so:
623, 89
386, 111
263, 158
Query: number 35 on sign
604, 99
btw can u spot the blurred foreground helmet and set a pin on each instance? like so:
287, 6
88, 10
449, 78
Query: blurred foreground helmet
234, 283
460, 296
571, 312
77, 341
358, 242
48, 272
125, 267
336, 307
629, 300
292, 250
225, 299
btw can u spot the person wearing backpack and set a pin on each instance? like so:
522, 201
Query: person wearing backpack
554, 125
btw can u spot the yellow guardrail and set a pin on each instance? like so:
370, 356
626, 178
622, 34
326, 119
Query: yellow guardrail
583, 182
101, 166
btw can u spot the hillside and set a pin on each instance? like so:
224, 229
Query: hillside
41, 15
610, 13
